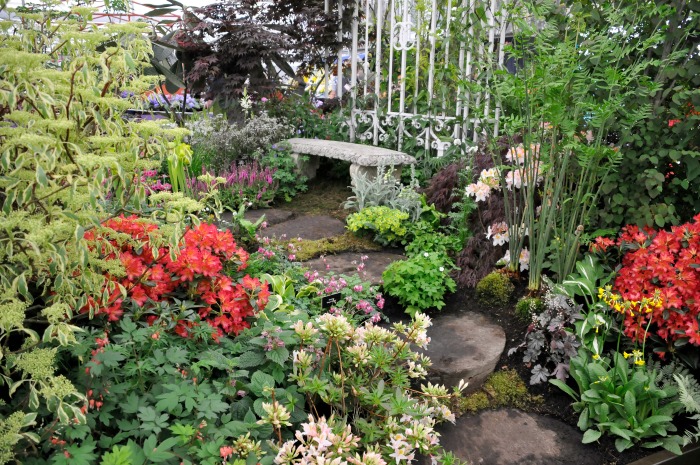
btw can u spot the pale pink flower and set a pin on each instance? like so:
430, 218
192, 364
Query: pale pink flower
499, 232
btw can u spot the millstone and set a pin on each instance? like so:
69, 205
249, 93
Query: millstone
307, 227
465, 346
509, 436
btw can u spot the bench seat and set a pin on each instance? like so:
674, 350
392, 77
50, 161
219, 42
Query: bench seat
363, 158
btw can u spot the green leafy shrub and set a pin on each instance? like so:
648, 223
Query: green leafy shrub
289, 183
622, 398
159, 397
390, 226
68, 161
420, 282
427, 239
528, 306
495, 289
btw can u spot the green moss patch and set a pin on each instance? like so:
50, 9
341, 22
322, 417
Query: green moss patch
501, 389
348, 242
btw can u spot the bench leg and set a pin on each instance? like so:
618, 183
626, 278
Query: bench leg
371, 172
306, 167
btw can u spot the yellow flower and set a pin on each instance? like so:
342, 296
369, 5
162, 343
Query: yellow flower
639, 362
596, 356
626, 355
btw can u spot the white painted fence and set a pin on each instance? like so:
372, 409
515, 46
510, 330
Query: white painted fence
412, 89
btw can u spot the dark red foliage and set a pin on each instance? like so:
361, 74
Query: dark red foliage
479, 255
446, 188
225, 44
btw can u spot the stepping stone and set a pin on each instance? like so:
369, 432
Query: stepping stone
272, 215
306, 227
509, 436
347, 263
465, 346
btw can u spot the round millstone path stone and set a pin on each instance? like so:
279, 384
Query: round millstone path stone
273, 216
464, 347
348, 262
306, 227
510, 436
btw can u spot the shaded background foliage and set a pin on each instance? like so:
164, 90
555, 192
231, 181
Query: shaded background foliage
659, 177
226, 44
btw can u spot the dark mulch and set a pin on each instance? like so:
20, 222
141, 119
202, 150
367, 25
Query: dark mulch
327, 195
555, 403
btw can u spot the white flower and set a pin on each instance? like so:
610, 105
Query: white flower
524, 259
499, 231
480, 191
441, 269
490, 178
505, 260
426, 254
457, 142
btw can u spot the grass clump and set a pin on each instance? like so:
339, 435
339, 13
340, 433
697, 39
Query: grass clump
501, 389
494, 290
347, 242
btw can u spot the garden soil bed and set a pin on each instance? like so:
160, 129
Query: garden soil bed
554, 402
327, 196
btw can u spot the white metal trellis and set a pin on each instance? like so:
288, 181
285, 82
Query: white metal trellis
418, 56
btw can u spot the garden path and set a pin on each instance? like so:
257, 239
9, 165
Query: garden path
464, 345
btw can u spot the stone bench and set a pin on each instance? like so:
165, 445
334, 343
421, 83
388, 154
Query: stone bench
363, 158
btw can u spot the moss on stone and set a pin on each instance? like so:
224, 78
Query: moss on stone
501, 389
348, 242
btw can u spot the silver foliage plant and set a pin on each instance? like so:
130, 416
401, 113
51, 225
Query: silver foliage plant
226, 142
550, 341
384, 190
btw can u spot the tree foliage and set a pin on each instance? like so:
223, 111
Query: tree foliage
659, 177
226, 44
68, 161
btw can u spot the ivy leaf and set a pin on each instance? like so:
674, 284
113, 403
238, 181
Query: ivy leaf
110, 358
178, 356
158, 453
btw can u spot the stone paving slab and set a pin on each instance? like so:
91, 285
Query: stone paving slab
509, 436
465, 346
273, 216
306, 227
347, 263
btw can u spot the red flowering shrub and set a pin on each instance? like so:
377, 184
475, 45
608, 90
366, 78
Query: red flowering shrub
667, 261
196, 274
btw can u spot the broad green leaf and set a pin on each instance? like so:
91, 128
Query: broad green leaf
591, 435
279, 355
